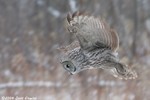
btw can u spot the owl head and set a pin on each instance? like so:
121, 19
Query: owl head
72, 58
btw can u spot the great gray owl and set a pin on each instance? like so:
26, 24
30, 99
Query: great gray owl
96, 47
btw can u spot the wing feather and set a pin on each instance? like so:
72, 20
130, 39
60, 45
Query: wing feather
90, 31
70, 47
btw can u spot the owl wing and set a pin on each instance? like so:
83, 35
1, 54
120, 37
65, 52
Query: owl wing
92, 33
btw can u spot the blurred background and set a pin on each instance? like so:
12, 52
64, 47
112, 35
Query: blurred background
31, 30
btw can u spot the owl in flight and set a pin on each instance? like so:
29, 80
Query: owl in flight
96, 47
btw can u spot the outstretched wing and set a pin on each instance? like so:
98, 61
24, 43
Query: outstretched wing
92, 33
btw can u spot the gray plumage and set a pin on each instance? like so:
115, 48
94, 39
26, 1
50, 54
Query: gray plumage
96, 47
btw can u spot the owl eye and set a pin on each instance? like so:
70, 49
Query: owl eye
69, 66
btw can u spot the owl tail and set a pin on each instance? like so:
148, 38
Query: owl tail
120, 70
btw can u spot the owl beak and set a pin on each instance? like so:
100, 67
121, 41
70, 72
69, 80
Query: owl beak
72, 73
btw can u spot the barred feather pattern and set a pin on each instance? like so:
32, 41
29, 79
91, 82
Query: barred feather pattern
95, 47
90, 58
91, 30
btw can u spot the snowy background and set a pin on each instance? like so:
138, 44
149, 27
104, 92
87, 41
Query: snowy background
31, 30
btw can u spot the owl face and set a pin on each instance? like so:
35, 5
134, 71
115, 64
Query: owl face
71, 65
71, 61
72, 58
